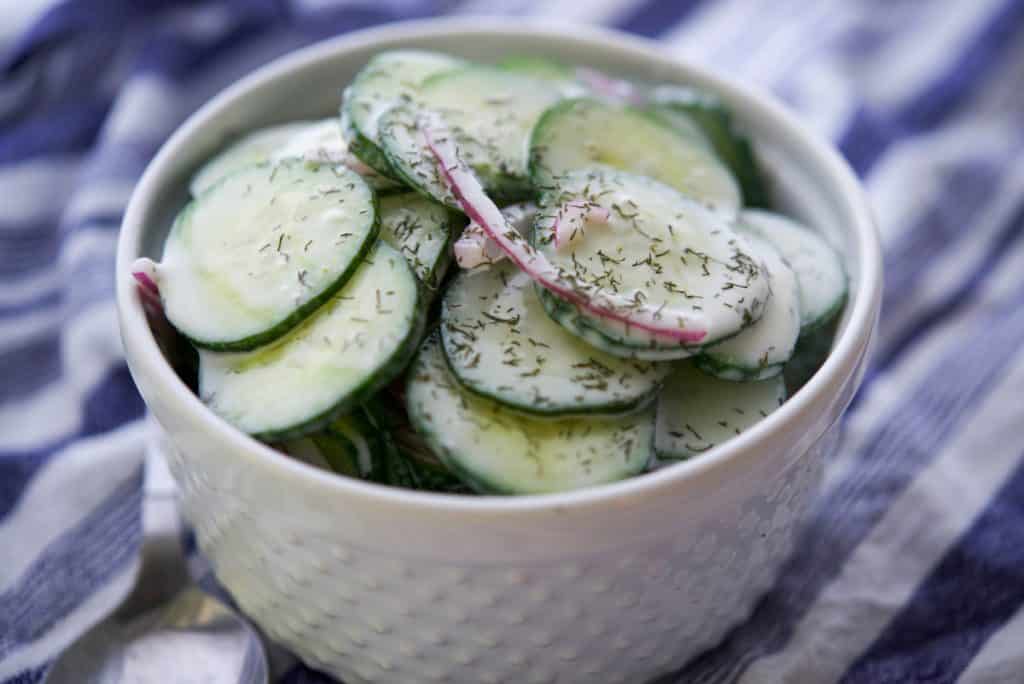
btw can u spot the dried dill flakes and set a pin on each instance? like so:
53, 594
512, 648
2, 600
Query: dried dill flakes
501, 343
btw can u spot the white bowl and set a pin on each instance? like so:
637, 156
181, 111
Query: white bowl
617, 583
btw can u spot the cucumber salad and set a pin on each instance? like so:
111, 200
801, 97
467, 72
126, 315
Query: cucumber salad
508, 278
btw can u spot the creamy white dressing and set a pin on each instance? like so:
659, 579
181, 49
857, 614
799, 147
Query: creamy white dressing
501, 343
818, 267
475, 249
697, 411
265, 242
492, 113
255, 148
321, 362
661, 247
503, 451
584, 133
319, 142
386, 80
420, 230
760, 349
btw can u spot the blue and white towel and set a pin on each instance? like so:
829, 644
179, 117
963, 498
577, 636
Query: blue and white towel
913, 566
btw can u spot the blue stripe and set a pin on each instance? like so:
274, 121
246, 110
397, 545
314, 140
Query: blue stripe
330, 21
23, 255
973, 591
955, 299
68, 20
119, 159
890, 459
33, 247
974, 66
66, 129
970, 187
655, 17
112, 403
32, 676
178, 56
74, 566
871, 133
45, 298
27, 368
16, 472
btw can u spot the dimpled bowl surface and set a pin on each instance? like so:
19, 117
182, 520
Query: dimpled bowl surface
618, 583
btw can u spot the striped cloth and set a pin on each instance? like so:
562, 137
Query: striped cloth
912, 568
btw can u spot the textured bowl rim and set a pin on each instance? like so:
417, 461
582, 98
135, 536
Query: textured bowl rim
826, 384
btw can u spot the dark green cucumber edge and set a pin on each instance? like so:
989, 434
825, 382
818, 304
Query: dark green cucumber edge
300, 314
397, 168
810, 353
478, 484
385, 373
455, 223
534, 166
830, 314
736, 373
503, 188
734, 149
567, 316
609, 409
327, 442
395, 468
358, 144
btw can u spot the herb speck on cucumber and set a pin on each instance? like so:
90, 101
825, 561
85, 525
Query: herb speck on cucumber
499, 279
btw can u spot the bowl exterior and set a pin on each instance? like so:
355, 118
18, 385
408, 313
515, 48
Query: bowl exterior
620, 583
315, 581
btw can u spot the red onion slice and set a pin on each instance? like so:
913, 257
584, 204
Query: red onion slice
572, 217
683, 327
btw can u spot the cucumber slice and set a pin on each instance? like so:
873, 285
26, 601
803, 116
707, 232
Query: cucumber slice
580, 133
355, 446
819, 268
271, 144
318, 142
261, 250
347, 446
682, 123
360, 146
538, 67
760, 350
732, 147
697, 412
588, 329
490, 111
338, 452
358, 446
495, 450
811, 351
500, 344
558, 74
409, 158
385, 80
658, 247
395, 465
356, 343
422, 231
306, 450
